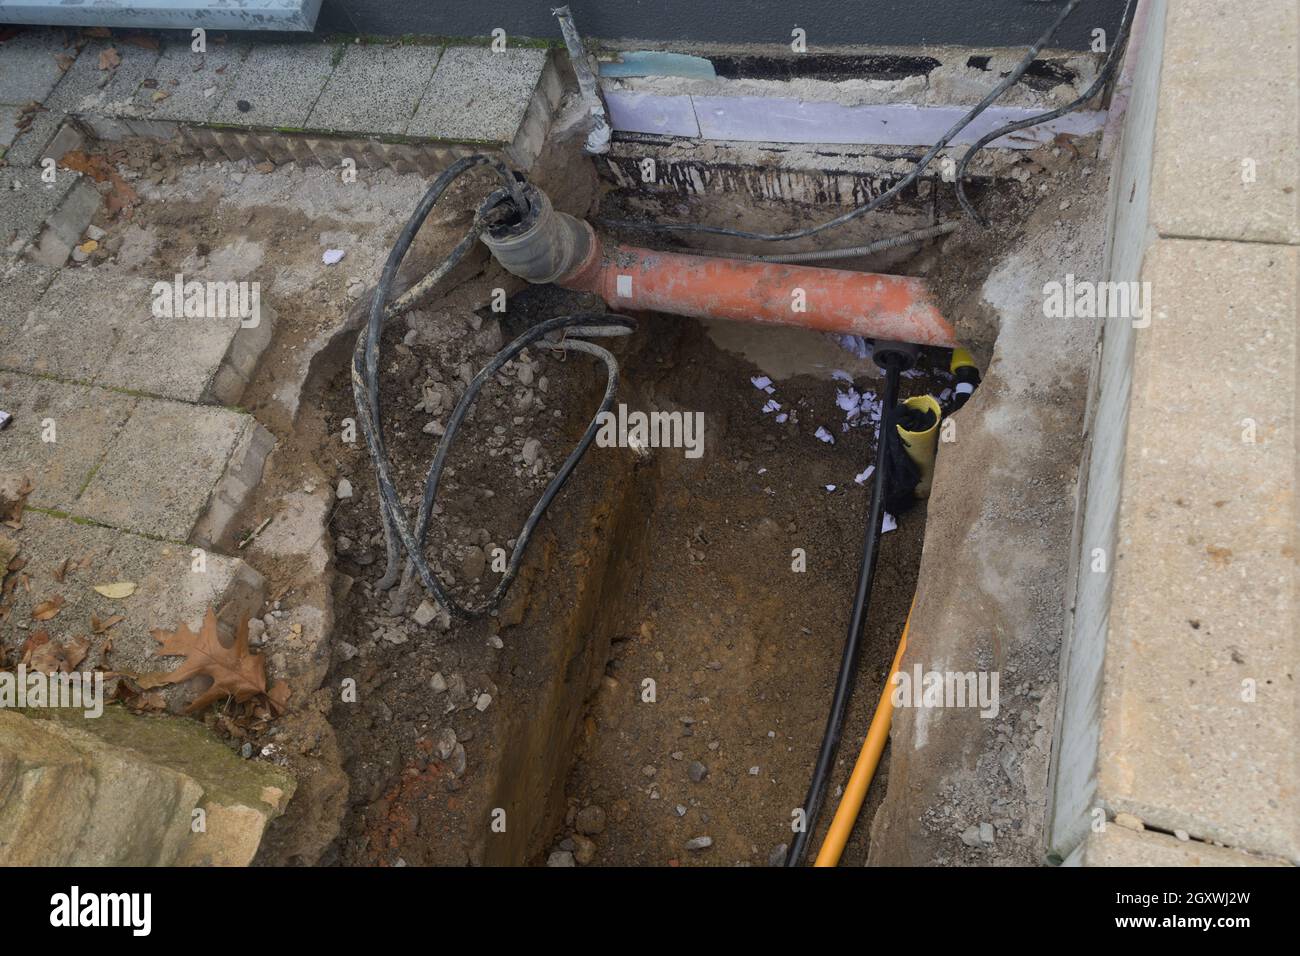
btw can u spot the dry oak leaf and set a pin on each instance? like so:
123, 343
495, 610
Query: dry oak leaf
235, 671
48, 609
108, 59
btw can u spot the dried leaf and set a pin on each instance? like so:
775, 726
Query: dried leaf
75, 651
143, 41
61, 571
48, 609
117, 590
235, 671
97, 32
159, 96
109, 59
99, 627
64, 61
40, 653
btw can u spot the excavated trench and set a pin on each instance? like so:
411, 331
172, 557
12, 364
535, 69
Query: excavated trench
661, 670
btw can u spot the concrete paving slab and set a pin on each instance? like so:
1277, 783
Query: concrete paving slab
170, 589
1199, 695
1117, 846
479, 96
158, 474
24, 283
8, 126
71, 331
95, 325
194, 83
87, 89
81, 420
29, 145
28, 68
26, 203
278, 84
375, 89
1227, 157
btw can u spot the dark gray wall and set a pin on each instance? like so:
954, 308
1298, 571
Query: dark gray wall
876, 22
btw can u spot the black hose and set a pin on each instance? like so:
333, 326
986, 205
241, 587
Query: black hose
1112, 59
847, 677
1007, 82
365, 389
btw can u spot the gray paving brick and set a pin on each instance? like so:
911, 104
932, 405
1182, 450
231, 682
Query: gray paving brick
26, 203
280, 83
28, 70
8, 126
168, 590
158, 474
195, 83
375, 89
1228, 112
477, 95
86, 89
84, 421
95, 325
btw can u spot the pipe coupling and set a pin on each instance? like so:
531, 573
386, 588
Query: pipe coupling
545, 245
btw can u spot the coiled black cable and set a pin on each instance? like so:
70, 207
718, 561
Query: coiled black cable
365, 392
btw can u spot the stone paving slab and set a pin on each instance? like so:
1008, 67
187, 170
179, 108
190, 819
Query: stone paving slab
95, 325
375, 88
279, 83
8, 126
195, 83
1117, 846
1228, 98
86, 89
26, 203
168, 590
356, 91
28, 68
158, 475
477, 95
85, 421
1199, 697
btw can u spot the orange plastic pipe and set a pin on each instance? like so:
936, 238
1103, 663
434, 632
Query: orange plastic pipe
896, 308
855, 793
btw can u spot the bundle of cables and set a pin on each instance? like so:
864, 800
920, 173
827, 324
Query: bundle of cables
400, 534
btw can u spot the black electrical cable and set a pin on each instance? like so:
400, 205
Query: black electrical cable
587, 323
847, 677
1103, 77
365, 391
1007, 82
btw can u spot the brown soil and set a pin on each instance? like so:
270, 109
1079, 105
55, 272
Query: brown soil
742, 649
